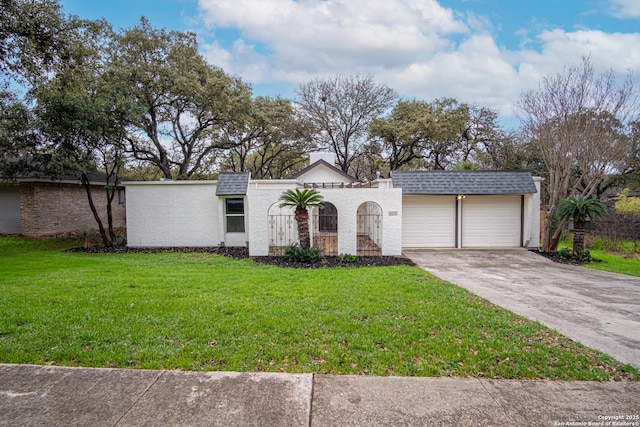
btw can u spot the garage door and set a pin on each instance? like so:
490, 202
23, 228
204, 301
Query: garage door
491, 221
10, 210
428, 221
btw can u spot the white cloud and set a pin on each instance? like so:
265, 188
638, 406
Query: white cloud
626, 8
615, 51
315, 36
417, 47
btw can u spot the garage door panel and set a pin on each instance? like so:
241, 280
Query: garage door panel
10, 210
428, 221
491, 221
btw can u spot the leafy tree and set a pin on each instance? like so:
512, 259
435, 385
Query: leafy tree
18, 137
302, 200
340, 109
267, 140
580, 210
83, 117
418, 132
72, 121
85, 134
484, 142
629, 176
35, 38
577, 119
425, 134
185, 103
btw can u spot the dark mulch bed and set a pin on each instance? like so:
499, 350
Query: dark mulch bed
241, 253
555, 257
232, 252
332, 261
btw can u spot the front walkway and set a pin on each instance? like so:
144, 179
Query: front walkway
601, 310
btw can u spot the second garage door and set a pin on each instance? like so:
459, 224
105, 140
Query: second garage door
491, 221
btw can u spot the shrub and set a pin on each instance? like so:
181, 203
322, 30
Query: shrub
579, 256
295, 253
347, 258
87, 237
121, 236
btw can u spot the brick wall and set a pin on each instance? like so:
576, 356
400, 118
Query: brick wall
59, 208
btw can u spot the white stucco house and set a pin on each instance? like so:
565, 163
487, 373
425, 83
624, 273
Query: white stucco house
422, 209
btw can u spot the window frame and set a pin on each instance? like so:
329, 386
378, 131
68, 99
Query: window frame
235, 214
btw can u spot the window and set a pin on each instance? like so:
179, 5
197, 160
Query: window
235, 215
122, 197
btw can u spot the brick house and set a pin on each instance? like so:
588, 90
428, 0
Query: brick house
40, 208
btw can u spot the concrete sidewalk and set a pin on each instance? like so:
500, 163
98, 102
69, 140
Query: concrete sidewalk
58, 396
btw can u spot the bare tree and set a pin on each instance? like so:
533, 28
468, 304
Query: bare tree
340, 110
577, 118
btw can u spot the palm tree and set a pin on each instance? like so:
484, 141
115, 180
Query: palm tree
302, 200
466, 166
580, 210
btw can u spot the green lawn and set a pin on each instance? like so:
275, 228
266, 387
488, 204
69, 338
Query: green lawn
614, 263
196, 311
623, 260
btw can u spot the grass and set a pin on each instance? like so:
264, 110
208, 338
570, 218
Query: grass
615, 263
203, 311
615, 256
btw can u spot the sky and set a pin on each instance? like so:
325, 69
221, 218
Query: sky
484, 52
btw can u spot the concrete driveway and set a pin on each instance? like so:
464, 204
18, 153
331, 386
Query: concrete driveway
600, 310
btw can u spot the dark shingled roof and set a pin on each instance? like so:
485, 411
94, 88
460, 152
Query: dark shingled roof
232, 183
464, 182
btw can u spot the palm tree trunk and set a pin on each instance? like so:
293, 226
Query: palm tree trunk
578, 236
302, 219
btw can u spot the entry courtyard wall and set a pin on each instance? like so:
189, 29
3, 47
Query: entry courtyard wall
346, 200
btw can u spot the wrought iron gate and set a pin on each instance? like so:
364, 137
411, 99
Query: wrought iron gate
325, 229
369, 230
283, 230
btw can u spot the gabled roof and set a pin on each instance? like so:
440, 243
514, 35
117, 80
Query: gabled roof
233, 183
464, 182
326, 164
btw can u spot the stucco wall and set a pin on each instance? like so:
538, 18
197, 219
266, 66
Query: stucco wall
174, 213
347, 202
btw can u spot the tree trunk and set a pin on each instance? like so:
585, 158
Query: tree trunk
302, 219
554, 241
87, 186
110, 196
578, 236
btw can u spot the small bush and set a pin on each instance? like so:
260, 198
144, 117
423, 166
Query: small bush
295, 253
347, 258
121, 236
579, 256
87, 237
